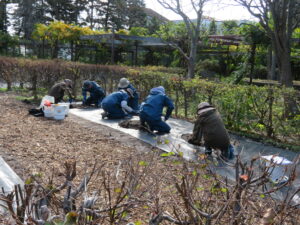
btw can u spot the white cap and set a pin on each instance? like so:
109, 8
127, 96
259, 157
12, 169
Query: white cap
123, 83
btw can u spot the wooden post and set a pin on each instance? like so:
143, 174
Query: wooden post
176, 102
136, 53
113, 46
185, 103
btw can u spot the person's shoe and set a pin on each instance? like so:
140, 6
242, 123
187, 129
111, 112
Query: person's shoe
39, 114
161, 133
208, 151
230, 152
128, 117
104, 115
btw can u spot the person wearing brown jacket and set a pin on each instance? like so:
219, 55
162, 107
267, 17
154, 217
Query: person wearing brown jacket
210, 127
58, 90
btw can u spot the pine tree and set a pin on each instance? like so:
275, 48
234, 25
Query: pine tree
77, 8
25, 18
136, 15
212, 28
61, 10
3, 16
94, 13
122, 14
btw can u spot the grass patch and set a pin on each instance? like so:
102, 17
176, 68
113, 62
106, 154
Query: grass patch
20, 98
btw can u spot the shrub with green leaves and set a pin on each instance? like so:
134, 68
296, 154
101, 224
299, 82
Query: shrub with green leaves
244, 108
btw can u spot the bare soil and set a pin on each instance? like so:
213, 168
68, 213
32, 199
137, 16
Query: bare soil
32, 145
38, 145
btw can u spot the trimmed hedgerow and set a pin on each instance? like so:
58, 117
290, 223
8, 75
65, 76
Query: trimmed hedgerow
244, 108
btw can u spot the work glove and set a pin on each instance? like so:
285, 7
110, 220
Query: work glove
135, 112
190, 141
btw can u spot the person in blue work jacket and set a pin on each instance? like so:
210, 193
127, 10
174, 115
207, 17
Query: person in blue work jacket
151, 110
115, 105
134, 101
96, 93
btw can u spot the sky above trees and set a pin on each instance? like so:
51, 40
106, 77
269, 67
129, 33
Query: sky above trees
218, 9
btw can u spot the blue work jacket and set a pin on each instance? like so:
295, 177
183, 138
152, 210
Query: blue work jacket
155, 102
115, 99
94, 90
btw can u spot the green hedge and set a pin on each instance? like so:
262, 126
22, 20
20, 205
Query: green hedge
251, 109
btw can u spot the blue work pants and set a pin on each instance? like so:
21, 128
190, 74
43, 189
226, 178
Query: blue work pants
113, 111
155, 124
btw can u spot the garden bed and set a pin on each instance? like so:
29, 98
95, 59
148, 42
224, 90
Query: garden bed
40, 146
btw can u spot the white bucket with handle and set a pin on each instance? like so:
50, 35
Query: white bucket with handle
47, 98
60, 111
48, 111
67, 105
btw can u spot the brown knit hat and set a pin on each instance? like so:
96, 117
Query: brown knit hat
204, 107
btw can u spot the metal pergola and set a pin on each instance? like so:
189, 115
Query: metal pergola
114, 40
120, 39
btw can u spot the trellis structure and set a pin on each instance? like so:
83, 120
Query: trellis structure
137, 41
120, 39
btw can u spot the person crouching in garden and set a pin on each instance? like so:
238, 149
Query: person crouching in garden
115, 105
210, 126
134, 101
96, 93
152, 108
58, 90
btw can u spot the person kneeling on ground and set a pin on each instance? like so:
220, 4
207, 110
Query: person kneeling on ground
151, 110
115, 105
210, 126
96, 93
58, 90
134, 101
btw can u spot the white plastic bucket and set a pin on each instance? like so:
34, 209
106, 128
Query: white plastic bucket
47, 97
48, 111
67, 105
60, 112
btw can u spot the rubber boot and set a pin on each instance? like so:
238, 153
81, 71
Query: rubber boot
208, 150
104, 115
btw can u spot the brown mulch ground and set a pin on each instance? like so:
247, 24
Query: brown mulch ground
33, 145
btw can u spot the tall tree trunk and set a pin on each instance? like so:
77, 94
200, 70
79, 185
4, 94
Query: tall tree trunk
273, 60
3, 16
9, 85
55, 50
43, 48
191, 68
251, 61
34, 87
285, 69
72, 50
92, 15
269, 62
283, 55
77, 52
192, 58
273, 66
